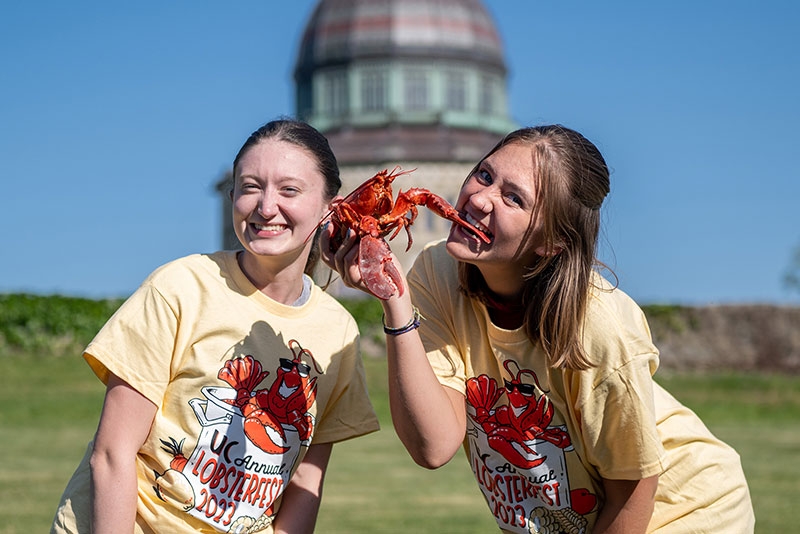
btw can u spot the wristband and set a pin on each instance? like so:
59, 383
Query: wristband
413, 324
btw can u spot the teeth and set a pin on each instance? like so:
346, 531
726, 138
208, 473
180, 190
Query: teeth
268, 227
470, 219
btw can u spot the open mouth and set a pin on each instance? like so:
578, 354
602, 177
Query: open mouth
478, 226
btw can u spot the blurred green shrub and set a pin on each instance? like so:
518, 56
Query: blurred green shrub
57, 325
367, 312
50, 325
674, 318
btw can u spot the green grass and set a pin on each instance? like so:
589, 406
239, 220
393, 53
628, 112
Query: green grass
49, 408
48, 412
372, 484
759, 416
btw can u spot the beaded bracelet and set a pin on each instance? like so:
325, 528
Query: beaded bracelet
412, 325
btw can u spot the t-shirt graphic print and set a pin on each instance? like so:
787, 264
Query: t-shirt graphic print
250, 440
519, 455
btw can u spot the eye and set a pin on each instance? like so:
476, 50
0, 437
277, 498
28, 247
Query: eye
514, 198
290, 191
248, 188
246, 185
483, 177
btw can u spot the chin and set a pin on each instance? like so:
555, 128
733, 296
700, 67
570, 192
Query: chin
460, 250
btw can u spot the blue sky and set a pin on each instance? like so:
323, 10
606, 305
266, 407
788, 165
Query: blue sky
117, 119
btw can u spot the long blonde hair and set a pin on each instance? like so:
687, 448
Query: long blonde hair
572, 180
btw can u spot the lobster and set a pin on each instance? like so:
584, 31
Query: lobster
373, 214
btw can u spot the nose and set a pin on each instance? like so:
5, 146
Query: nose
267, 205
482, 200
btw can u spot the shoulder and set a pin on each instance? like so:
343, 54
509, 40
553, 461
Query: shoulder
192, 270
612, 305
434, 286
436, 251
189, 282
615, 326
434, 267
433, 280
200, 264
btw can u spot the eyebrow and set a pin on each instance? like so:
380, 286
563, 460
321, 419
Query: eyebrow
279, 180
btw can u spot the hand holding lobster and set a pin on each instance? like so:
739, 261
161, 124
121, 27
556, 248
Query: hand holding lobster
372, 213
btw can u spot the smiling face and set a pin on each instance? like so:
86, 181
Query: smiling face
500, 197
278, 200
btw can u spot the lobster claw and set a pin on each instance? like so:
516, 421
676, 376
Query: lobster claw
243, 373
377, 269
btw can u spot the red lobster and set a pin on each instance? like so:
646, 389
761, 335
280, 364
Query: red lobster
510, 427
372, 213
285, 402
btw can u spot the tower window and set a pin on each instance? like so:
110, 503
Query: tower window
416, 90
336, 94
487, 95
456, 91
374, 90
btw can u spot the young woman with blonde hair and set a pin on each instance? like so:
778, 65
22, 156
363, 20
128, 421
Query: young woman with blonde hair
520, 351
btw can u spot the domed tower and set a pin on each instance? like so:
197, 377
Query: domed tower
415, 83
419, 84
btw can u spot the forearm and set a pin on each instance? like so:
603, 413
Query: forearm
114, 493
628, 507
124, 424
303, 495
429, 419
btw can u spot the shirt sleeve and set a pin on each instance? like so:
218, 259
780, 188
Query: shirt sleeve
348, 412
437, 331
618, 424
137, 344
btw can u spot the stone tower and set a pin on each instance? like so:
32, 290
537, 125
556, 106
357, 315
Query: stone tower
419, 84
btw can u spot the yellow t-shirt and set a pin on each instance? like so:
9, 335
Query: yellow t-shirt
220, 452
540, 440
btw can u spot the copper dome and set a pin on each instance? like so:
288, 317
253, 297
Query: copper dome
340, 31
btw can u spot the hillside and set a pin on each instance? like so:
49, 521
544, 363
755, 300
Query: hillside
746, 337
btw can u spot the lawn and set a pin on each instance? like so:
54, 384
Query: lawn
49, 408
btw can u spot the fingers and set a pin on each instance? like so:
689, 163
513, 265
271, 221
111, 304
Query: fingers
325, 238
346, 260
342, 258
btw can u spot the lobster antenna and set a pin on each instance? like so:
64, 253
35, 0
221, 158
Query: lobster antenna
514, 374
535, 379
302, 352
318, 226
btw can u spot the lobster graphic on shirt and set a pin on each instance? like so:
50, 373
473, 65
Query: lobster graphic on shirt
525, 418
286, 402
249, 442
518, 455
